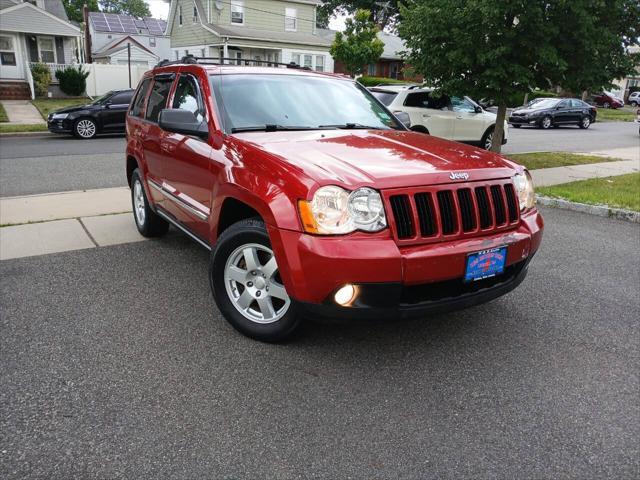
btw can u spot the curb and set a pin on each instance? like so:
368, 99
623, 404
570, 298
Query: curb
598, 210
26, 134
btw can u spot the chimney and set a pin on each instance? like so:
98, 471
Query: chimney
87, 35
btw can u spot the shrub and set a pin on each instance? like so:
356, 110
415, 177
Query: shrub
73, 80
373, 81
41, 78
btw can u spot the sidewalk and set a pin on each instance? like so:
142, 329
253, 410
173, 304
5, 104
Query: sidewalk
21, 112
97, 218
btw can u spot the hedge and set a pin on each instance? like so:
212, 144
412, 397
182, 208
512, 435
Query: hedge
373, 81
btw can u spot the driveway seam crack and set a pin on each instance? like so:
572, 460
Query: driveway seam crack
86, 230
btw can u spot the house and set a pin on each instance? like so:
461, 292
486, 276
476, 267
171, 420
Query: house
632, 82
244, 30
114, 39
33, 31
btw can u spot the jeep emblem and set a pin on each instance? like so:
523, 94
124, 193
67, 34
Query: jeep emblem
459, 176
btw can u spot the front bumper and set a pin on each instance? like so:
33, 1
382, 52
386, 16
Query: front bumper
393, 277
60, 126
523, 121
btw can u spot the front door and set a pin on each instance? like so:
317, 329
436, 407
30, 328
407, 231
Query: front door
468, 126
115, 111
10, 61
563, 113
189, 173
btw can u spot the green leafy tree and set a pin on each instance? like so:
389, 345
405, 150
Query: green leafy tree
500, 49
382, 13
135, 8
74, 8
358, 45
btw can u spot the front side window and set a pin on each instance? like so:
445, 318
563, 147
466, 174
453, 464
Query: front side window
122, 98
47, 49
295, 101
237, 12
290, 19
157, 99
187, 97
138, 103
319, 63
563, 104
462, 105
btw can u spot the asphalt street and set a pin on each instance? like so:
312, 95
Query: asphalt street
116, 364
44, 164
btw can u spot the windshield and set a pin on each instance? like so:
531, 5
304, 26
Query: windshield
274, 101
102, 98
546, 103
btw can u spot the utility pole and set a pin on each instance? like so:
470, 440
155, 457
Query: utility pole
129, 61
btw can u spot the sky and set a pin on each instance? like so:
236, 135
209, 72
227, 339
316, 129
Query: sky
160, 9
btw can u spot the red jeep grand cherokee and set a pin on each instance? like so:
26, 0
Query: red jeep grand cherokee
314, 199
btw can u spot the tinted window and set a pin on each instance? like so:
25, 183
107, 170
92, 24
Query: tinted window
157, 99
427, 100
578, 104
564, 104
138, 103
546, 103
123, 98
187, 97
385, 97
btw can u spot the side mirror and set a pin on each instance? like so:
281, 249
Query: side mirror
404, 118
478, 109
181, 121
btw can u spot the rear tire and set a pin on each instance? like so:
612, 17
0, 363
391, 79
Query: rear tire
149, 224
516, 125
585, 122
246, 283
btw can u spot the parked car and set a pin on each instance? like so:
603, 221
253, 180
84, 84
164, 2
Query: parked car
638, 118
316, 200
634, 99
453, 118
608, 100
106, 114
553, 112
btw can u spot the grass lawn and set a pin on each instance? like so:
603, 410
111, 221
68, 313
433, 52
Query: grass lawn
626, 114
622, 191
537, 160
3, 114
13, 128
48, 105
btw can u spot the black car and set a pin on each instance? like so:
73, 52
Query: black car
104, 115
553, 112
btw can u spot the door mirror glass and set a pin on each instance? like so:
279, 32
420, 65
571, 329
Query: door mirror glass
177, 120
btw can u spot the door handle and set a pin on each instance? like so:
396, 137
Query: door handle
459, 117
426, 115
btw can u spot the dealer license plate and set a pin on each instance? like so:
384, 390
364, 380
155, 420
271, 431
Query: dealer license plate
485, 264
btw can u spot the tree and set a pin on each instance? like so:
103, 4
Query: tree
74, 8
382, 13
135, 8
358, 45
504, 48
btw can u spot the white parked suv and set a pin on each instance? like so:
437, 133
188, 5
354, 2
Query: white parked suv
454, 118
634, 99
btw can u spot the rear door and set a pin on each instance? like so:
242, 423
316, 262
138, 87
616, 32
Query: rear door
115, 112
434, 113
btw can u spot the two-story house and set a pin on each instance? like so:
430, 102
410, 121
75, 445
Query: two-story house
33, 31
117, 39
245, 30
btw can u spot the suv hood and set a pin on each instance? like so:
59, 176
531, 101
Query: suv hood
378, 158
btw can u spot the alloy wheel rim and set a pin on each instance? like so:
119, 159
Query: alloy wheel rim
138, 202
488, 143
86, 128
585, 122
253, 285
546, 123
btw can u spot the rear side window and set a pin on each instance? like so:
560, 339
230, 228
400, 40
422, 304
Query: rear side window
385, 97
187, 96
158, 99
425, 100
123, 98
138, 103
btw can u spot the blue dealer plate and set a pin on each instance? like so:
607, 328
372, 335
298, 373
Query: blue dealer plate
485, 264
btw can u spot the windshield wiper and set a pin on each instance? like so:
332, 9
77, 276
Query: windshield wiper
352, 126
268, 128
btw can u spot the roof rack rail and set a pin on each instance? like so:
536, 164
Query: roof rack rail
191, 60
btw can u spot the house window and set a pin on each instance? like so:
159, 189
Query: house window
295, 58
238, 58
195, 14
177, 54
47, 49
371, 69
152, 41
7, 54
308, 61
290, 19
319, 63
180, 15
202, 54
237, 12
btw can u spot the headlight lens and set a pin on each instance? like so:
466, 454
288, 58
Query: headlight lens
59, 116
334, 210
524, 189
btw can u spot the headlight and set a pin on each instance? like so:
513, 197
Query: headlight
334, 210
524, 190
59, 116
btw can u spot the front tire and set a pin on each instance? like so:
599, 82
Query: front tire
149, 224
546, 123
247, 286
585, 122
606, 105
487, 139
85, 128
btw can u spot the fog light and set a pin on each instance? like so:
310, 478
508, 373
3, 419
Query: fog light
345, 295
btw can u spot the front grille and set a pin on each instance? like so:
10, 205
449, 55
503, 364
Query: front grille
446, 212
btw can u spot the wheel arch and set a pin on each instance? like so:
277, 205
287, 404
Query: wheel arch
419, 129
